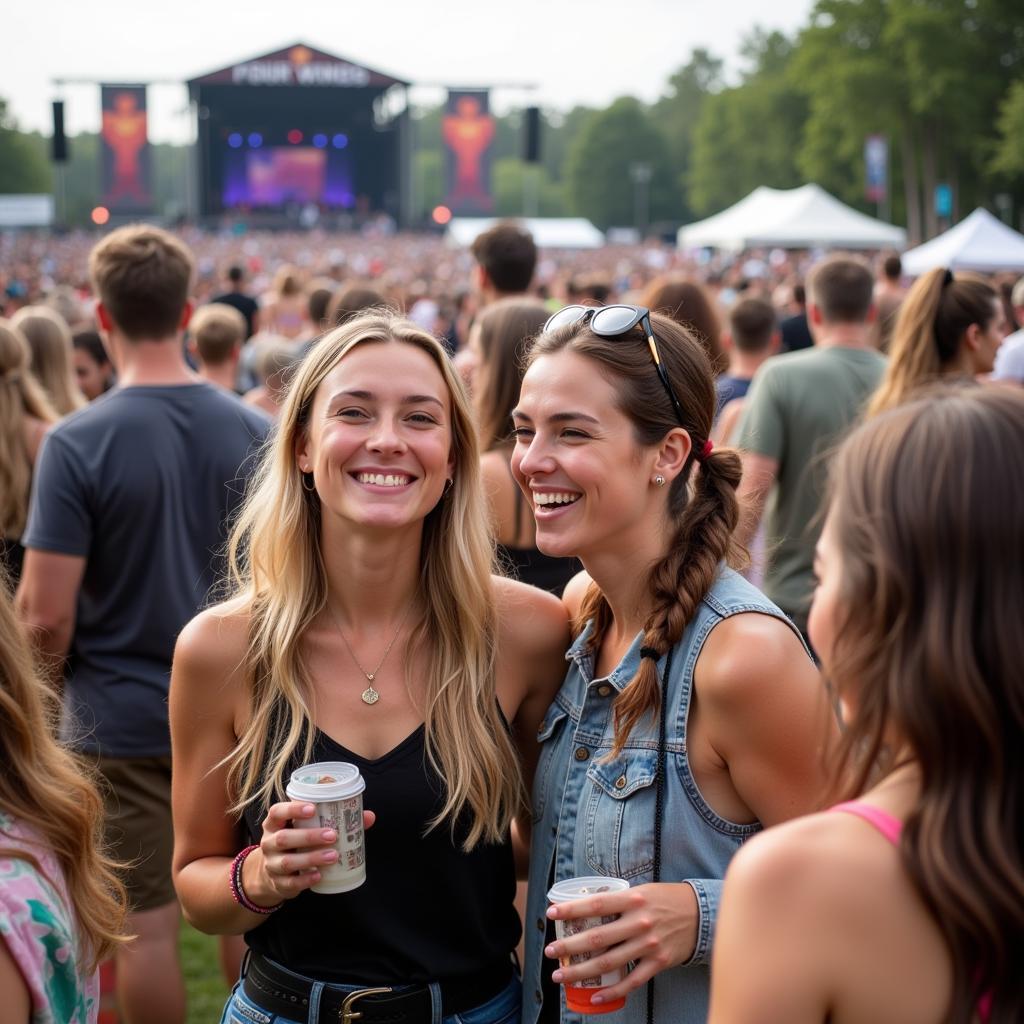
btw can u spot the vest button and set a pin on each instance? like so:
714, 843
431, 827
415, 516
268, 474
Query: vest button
540, 924
582, 753
620, 782
603, 690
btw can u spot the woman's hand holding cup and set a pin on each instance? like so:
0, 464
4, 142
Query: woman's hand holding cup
289, 859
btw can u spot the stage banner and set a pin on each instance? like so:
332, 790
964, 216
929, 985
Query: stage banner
124, 150
468, 130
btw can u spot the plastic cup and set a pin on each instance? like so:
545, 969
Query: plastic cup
579, 995
335, 789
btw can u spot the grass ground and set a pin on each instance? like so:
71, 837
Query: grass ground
207, 991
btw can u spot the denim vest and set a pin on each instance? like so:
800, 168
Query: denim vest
592, 816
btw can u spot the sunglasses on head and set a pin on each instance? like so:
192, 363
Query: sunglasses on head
612, 322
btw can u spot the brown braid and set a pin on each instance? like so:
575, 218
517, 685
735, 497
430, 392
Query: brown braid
703, 507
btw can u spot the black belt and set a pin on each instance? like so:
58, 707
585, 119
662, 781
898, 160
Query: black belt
280, 992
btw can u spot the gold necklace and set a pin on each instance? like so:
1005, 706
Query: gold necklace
370, 695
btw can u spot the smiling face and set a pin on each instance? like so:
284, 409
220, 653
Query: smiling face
576, 457
379, 437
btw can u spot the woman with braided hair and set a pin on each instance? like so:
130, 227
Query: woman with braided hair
691, 714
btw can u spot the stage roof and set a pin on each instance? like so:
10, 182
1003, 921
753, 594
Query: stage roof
298, 65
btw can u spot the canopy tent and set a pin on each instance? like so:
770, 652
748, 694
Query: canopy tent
548, 232
797, 218
979, 242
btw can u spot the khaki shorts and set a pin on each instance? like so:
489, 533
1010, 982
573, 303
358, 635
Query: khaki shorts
138, 827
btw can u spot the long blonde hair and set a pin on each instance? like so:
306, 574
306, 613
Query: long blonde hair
20, 397
928, 335
277, 569
49, 341
47, 788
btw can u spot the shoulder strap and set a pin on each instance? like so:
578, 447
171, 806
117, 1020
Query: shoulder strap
889, 826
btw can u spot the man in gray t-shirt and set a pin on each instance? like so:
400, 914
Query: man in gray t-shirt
799, 407
130, 502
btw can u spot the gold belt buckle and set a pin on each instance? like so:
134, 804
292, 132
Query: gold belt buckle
347, 1014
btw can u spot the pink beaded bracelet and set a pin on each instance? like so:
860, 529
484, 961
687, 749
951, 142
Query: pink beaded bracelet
238, 893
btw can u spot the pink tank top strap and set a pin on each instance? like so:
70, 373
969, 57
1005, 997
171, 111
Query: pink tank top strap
889, 826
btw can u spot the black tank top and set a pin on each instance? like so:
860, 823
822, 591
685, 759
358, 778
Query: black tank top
426, 912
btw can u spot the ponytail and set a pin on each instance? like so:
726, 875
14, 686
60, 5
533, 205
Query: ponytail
930, 326
679, 582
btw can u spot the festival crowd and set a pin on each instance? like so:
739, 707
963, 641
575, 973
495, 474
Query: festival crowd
653, 616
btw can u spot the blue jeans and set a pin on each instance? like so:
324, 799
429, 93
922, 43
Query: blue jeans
504, 1008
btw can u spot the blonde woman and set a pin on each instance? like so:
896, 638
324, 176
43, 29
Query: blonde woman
365, 627
25, 414
949, 328
52, 364
61, 904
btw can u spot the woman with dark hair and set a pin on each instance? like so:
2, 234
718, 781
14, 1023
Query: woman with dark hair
692, 713
498, 340
948, 326
93, 368
907, 907
689, 304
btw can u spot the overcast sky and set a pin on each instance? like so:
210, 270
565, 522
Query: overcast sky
573, 51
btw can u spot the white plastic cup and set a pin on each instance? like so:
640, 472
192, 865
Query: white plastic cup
578, 994
335, 788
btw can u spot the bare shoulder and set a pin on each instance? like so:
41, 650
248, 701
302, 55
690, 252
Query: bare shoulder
826, 864
534, 622
575, 590
747, 655
17, 1003
213, 644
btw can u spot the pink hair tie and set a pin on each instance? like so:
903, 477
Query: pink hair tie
705, 451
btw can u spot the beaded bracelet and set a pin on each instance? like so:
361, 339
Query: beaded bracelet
238, 893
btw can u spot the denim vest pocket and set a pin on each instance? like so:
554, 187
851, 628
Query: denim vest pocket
546, 736
620, 813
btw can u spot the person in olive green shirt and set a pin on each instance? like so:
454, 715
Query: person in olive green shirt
799, 408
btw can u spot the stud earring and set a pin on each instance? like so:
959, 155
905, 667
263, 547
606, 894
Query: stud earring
659, 480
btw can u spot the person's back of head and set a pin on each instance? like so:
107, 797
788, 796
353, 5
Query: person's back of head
689, 304
217, 331
926, 654
840, 289
351, 300
892, 268
44, 788
752, 326
319, 293
507, 257
288, 282
236, 277
63, 301
142, 275
49, 342
505, 331
929, 332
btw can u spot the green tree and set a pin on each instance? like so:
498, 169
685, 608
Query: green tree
677, 112
23, 161
1009, 152
515, 182
747, 136
614, 151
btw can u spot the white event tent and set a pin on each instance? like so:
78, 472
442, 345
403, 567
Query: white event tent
548, 232
979, 242
796, 218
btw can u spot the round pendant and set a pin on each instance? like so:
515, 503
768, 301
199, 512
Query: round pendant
370, 695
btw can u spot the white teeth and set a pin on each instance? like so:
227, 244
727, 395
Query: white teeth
383, 480
554, 498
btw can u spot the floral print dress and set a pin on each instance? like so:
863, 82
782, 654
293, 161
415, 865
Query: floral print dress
37, 925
